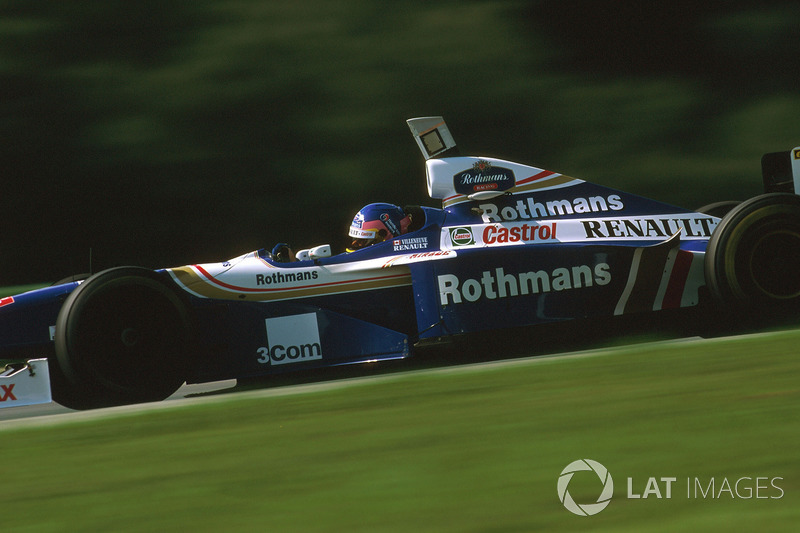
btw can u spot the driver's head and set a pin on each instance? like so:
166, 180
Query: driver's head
376, 223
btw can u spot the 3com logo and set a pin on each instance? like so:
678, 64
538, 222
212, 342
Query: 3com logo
587, 509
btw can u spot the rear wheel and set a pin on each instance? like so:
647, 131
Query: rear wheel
122, 336
70, 279
753, 257
718, 209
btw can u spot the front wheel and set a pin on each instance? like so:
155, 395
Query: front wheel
122, 336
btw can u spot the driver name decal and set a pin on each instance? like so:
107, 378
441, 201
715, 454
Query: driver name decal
291, 339
414, 243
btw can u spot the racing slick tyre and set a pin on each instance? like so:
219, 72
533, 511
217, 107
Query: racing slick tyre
753, 256
70, 279
718, 209
122, 336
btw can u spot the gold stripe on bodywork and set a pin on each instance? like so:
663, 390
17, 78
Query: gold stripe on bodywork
201, 286
547, 182
185, 276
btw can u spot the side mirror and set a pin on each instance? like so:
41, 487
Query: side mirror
318, 252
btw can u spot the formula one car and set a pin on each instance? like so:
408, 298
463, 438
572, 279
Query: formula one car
511, 246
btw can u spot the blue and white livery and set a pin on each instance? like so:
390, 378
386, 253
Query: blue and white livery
508, 245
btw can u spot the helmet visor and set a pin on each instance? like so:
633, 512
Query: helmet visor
358, 244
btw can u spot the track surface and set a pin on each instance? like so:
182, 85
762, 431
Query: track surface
53, 409
298, 383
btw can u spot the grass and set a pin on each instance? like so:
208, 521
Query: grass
19, 289
475, 449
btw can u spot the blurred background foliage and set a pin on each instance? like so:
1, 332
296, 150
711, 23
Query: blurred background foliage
162, 133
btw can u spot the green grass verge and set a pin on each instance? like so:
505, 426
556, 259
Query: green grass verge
475, 449
19, 289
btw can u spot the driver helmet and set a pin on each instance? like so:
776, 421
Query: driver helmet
376, 223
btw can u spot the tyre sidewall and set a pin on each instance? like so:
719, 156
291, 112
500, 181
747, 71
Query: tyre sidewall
114, 375
737, 262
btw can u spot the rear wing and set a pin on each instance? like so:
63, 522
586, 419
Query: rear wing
781, 171
25, 383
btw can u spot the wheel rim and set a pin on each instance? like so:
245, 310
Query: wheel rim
127, 336
774, 264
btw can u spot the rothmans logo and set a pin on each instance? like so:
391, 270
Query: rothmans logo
481, 166
528, 208
493, 284
483, 177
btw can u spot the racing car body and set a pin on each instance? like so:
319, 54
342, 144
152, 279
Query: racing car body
512, 245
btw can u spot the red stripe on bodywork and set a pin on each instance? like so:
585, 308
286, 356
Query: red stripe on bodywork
677, 280
215, 281
541, 175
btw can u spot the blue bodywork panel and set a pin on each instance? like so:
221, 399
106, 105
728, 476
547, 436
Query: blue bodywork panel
511, 246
